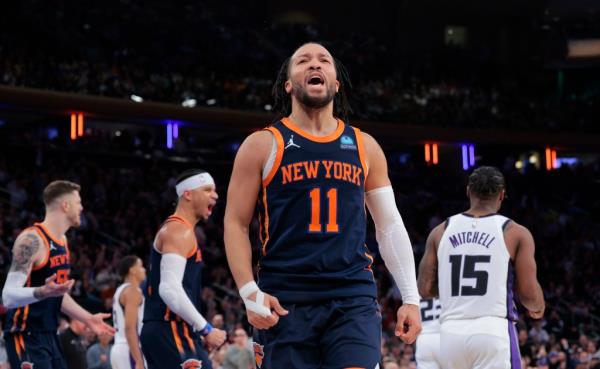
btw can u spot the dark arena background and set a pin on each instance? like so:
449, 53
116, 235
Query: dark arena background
121, 96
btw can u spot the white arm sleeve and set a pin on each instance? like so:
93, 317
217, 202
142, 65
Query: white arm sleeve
394, 244
170, 289
14, 295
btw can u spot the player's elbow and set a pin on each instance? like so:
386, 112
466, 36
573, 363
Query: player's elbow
233, 227
168, 292
531, 295
130, 328
7, 299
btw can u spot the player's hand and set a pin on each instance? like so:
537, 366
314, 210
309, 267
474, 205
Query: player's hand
53, 289
97, 325
215, 338
536, 314
408, 325
272, 304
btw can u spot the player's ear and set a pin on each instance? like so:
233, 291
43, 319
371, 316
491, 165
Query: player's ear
468, 192
337, 86
65, 205
288, 86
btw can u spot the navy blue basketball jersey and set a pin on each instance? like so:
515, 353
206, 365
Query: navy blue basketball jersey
155, 308
42, 316
313, 217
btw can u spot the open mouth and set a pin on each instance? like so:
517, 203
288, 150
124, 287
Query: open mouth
210, 207
316, 80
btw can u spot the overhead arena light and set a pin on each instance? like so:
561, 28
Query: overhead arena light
431, 154
468, 156
189, 103
77, 125
136, 98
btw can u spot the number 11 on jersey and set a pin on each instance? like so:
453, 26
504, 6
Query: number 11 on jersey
315, 211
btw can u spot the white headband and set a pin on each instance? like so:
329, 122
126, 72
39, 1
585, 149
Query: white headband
193, 182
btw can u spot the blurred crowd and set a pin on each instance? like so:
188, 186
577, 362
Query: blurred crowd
226, 55
125, 203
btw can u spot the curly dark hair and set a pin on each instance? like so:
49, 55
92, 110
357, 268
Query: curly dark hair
341, 102
486, 182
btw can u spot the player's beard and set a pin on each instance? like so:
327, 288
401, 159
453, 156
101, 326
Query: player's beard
313, 102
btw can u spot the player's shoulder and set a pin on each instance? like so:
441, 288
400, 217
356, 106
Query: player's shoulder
368, 139
436, 233
28, 235
514, 230
176, 232
131, 292
510, 226
258, 144
260, 136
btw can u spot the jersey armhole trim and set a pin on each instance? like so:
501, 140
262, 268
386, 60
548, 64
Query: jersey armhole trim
446, 223
47, 255
180, 220
505, 224
361, 151
278, 156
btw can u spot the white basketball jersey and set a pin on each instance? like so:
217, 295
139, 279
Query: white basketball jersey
475, 273
430, 316
119, 316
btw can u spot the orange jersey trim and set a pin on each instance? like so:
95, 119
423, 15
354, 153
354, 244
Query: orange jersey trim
22, 341
17, 345
362, 154
45, 241
15, 319
193, 252
54, 239
322, 139
278, 156
179, 219
25, 313
186, 334
266, 226
176, 337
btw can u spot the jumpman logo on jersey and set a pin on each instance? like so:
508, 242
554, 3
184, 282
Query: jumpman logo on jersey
291, 143
52, 247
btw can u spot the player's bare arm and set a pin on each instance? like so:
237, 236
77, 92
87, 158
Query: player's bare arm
131, 299
176, 238
29, 251
394, 243
527, 286
377, 164
428, 268
244, 186
94, 321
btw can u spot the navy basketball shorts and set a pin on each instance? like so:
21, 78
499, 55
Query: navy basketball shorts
172, 345
38, 350
335, 334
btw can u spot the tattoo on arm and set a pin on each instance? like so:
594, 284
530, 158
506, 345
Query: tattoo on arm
23, 253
